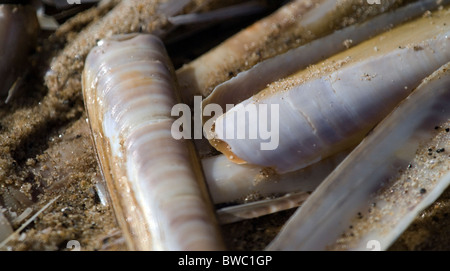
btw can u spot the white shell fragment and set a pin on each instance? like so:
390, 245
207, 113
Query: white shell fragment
332, 105
154, 180
397, 171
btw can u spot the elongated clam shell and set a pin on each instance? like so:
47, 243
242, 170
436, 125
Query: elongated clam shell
383, 184
19, 29
332, 105
227, 13
229, 182
260, 208
250, 82
155, 186
296, 23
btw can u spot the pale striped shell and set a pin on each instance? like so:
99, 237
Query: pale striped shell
331, 106
156, 184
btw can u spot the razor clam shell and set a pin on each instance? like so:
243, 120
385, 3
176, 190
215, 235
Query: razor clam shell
157, 190
294, 24
250, 82
19, 29
376, 177
229, 182
256, 209
246, 8
332, 105
63, 4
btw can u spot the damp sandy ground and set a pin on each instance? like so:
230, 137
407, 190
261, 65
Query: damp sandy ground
46, 154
